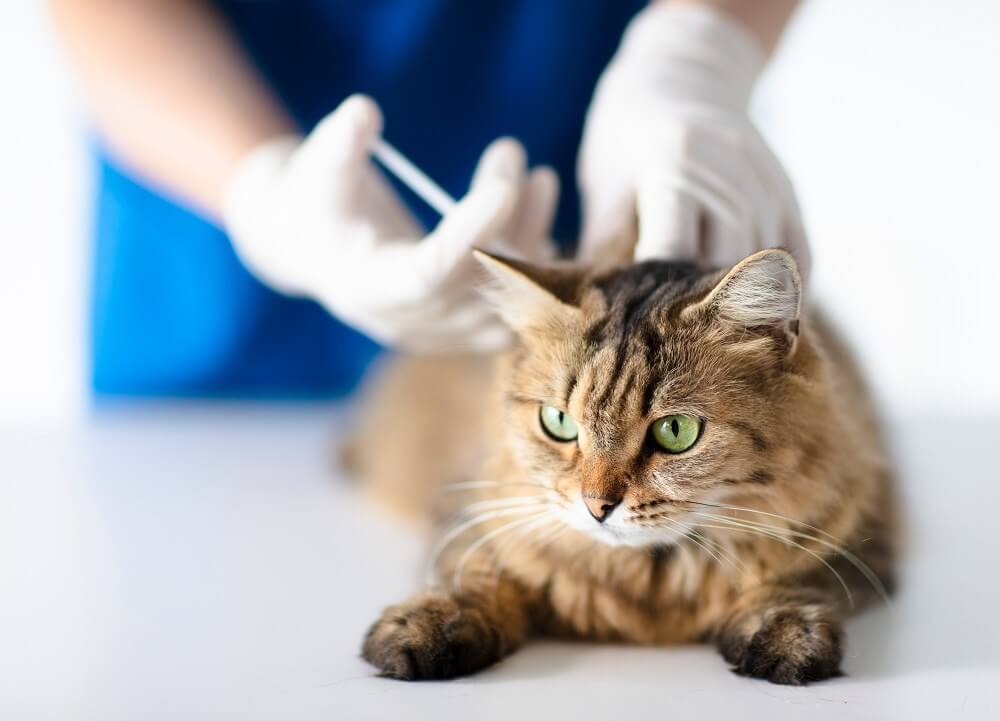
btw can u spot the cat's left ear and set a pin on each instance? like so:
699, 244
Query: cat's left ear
532, 297
762, 292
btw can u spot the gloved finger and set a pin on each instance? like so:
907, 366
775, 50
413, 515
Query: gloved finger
771, 196
768, 230
731, 209
477, 219
608, 220
721, 197
503, 159
767, 212
342, 139
530, 235
767, 223
790, 231
725, 243
668, 221
796, 242
771, 167
792, 234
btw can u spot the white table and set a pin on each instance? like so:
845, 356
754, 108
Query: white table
202, 562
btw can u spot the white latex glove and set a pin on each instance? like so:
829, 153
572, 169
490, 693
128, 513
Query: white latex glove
668, 143
314, 217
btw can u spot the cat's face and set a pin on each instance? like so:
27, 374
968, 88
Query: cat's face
635, 390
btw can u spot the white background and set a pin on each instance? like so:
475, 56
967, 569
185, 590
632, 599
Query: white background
887, 114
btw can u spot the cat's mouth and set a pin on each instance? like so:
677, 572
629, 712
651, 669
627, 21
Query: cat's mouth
622, 528
636, 536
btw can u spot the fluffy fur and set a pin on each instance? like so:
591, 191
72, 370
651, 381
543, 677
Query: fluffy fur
779, 520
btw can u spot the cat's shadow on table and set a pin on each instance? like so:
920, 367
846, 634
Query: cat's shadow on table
912, 635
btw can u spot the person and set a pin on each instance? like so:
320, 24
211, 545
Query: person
235, 136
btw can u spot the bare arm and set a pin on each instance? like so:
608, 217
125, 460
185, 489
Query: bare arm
766, 19
171, 92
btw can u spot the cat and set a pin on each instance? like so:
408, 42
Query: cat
667, 455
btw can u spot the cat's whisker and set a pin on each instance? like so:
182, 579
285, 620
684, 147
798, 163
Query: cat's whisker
722, 551
711, 546
473, 485
521, 535
522, 532
687, 533
788, 519
736, 526
491, 504
456, 581
863, 568
455, 531
558, 529
500, 503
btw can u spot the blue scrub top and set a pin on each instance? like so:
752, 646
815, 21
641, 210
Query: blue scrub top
174, 313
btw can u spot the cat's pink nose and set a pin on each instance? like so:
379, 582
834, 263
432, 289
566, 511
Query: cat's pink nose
600, 508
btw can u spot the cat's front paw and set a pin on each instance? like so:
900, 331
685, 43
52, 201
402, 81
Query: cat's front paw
790, 646
431, 637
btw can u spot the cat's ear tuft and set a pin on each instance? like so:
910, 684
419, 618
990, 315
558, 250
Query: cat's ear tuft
531, 297
761, 291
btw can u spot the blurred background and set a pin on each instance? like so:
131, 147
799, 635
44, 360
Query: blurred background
886, 115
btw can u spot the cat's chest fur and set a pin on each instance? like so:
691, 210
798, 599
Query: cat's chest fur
649, 596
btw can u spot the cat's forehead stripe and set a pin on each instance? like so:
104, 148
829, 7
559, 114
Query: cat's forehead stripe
632, 294
639, 280
630, 326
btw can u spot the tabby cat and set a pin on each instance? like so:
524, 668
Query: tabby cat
667, 455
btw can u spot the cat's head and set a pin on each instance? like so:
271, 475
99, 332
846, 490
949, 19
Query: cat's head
657, 383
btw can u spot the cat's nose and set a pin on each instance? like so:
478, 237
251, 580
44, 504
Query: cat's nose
601, 507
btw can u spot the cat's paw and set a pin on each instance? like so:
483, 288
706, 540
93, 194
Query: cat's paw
790, 646
431, 637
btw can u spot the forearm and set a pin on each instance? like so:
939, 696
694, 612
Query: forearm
765, 19
170, 91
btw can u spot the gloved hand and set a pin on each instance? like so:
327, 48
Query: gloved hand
314, 217
668, 142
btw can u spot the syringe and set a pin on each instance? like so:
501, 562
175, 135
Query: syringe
413, 177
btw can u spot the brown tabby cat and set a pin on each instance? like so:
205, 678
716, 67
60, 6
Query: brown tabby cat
668, 455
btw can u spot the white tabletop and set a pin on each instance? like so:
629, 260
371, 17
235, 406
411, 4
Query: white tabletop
204, 562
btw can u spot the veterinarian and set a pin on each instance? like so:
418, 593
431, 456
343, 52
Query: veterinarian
218, 153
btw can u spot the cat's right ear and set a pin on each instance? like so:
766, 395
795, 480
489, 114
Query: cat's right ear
760, 293
531, 297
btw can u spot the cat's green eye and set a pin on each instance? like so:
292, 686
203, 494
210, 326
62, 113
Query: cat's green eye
675, 434
558, 424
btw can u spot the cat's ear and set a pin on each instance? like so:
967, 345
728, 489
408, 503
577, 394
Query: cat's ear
531, 297
763, 291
